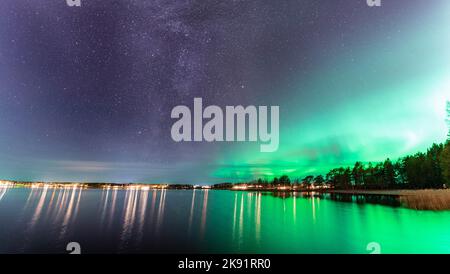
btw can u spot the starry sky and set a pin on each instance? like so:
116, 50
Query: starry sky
86, 92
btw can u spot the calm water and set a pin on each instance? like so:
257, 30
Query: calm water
45, 220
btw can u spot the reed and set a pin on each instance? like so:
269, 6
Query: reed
427, 199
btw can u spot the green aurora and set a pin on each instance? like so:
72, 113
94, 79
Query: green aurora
384, 98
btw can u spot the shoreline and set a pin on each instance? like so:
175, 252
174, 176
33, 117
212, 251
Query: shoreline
418, 199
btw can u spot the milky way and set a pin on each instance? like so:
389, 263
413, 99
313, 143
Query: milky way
86, 92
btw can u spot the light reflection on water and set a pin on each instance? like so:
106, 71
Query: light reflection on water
3, 190
150, 220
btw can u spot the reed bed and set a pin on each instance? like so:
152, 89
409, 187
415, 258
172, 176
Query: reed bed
427, 199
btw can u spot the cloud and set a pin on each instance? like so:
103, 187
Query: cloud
85, 166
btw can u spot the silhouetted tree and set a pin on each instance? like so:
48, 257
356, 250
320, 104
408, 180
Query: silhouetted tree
445, 163
276, 181
358, 174
400, 176
433, 166
388, 174
332, 177
307, 180
284, 180
347, 178
319, 180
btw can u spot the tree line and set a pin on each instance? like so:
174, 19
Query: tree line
418, 171
430, 169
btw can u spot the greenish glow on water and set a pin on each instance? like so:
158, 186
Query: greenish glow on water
211, 222
268, 224
174, 221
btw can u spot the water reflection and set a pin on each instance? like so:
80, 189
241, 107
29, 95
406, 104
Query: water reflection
241, 221
234, 217
191, 212
142, 209
60, 205
112, 209
258, 217
129, 212
45, 212
3, 189
389, 200
105, 203
313, 201
158, 220
152, 210
50, 204
294, 211
71, 210
204, 210
37, 212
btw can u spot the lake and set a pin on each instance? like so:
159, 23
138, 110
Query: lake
45, 220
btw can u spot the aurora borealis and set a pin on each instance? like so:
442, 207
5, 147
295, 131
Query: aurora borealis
87, 92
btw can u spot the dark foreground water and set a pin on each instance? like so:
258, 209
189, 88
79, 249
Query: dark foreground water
207, 221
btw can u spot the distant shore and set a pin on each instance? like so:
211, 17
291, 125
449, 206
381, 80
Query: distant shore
420, 199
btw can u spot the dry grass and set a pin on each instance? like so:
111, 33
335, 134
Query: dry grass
436, 199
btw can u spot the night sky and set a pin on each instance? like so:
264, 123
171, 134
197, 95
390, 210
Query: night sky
86, 93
